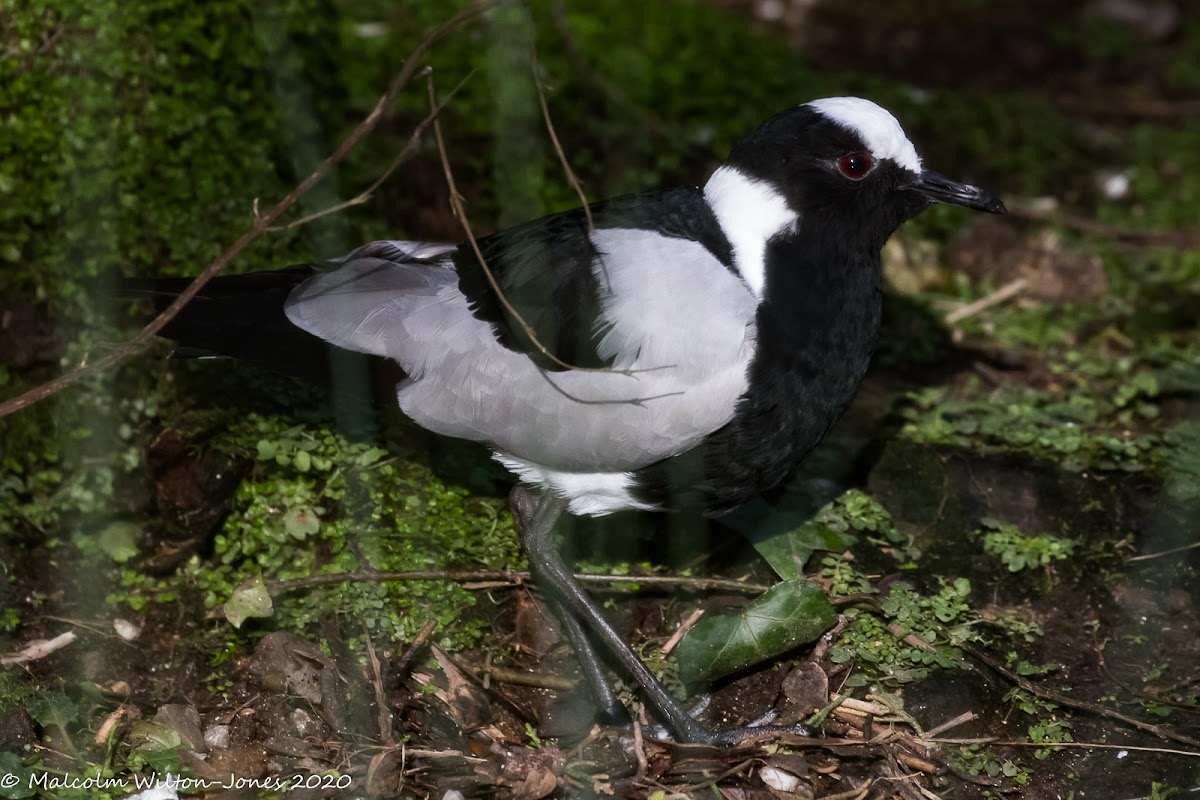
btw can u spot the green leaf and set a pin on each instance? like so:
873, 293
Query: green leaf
790, 614
119, 541
151, 736
788, 551
18, 784
53, 708
251, 599
301, 522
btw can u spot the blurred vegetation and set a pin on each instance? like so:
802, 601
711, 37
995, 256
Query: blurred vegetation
137, 136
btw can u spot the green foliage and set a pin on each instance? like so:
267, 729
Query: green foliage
909, 637
53, 708
789, 614
1047, 728
977, 759
320, 504
836, 527
1019, 552
135, 131
1095, 421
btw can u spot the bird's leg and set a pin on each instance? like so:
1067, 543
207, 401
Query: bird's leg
537, 537
523, 504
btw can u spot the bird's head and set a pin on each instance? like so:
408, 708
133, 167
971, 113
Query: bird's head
840, 159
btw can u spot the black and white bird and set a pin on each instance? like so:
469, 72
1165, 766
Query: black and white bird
688, 347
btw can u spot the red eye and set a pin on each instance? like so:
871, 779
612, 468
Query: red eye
855, 166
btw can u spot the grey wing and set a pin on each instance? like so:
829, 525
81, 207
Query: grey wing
678, 325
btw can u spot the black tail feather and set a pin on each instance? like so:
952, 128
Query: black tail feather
241, 316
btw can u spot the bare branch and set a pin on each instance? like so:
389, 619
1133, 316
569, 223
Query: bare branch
562, 157
414, 139
458, 206
38, 649
506, 577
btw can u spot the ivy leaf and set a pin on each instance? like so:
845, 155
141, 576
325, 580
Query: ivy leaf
790, 614
251, 599
788, 551
53, 708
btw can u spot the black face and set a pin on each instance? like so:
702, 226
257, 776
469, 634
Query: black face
826, 171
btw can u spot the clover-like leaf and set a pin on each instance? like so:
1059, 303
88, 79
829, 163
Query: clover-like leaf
118, 540
251, 599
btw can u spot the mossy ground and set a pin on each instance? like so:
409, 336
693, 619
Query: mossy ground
1014, 462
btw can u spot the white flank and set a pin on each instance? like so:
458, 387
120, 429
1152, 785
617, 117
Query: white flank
750, 213
591, 494
878, 129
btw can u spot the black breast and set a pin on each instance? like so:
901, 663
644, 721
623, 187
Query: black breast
817, 328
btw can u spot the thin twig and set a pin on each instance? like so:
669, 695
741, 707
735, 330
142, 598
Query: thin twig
1069, 702
261, 224
414, 139
384, 717
1005, 292
1161, 553
510, 578
961, 719
1099, 746
458, 206
417, 643
558, 149
538, 681
684, 627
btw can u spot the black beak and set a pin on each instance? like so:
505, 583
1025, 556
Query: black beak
940, 189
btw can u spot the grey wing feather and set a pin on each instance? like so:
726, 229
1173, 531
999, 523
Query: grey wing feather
679, 326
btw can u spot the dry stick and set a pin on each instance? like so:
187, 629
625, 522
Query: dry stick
684, 627
519, 678
1091, 708
562, 156
384, 717
1005, 292
507, 577
459, 209
456, 204
38, 649
261, 225
417, 643
1161, 553
414, 139
1101, 746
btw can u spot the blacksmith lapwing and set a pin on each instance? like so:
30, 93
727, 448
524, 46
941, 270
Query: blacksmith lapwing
686, 347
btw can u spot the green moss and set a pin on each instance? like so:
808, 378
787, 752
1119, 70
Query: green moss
317, 503
1019, 552
879, 643
1100, 412
134, 131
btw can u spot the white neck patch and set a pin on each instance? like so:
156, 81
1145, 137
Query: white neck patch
750, 213
878, 129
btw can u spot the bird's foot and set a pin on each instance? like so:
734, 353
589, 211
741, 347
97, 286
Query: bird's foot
760, 728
